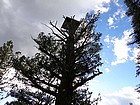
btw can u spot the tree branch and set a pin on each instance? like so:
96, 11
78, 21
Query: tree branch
58, 29
44, 82
36, 85
53, 56
85, 80
54, 32
53, 73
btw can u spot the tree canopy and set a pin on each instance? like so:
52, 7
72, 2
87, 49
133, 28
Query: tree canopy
134, 12
66, 60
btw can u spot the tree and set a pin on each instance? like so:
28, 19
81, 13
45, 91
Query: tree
134, 12
67, 59
5, 59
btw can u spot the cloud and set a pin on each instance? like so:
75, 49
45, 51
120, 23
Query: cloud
123, 96
107, 39
116, 2
103, 5
110, 21
114, 27
117, 15
22, 19
106, 62
121, 49
107, 69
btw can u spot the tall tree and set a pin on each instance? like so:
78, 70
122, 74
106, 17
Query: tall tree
134, 12
67, 59
5, 57
6, 54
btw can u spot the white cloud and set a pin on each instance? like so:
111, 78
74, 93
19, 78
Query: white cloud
107, 69
103, 5
122, 97
116, 2
110, 21
121, 49
120, 13
118, 61
107, 39
106, 62
114, 27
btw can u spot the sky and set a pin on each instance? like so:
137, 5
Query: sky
21, 19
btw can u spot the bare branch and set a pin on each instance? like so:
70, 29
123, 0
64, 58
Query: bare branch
44, 82
54, 32
58, 29
36, 85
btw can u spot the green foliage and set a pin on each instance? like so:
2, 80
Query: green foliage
66, 61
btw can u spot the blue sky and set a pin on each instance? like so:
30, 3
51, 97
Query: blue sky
118, 58
22, 19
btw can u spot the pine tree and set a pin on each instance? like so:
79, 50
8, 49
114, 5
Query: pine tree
67, 59
134, 12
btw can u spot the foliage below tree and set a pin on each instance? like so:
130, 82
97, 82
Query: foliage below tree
67, 60
134, 12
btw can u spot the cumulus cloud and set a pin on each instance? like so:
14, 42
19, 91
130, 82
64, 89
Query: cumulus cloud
22, 19
123, 96
121, 49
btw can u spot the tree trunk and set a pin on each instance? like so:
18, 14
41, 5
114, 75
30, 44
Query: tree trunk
63, 98
65, 93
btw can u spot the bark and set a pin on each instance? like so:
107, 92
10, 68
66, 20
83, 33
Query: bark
65, 92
